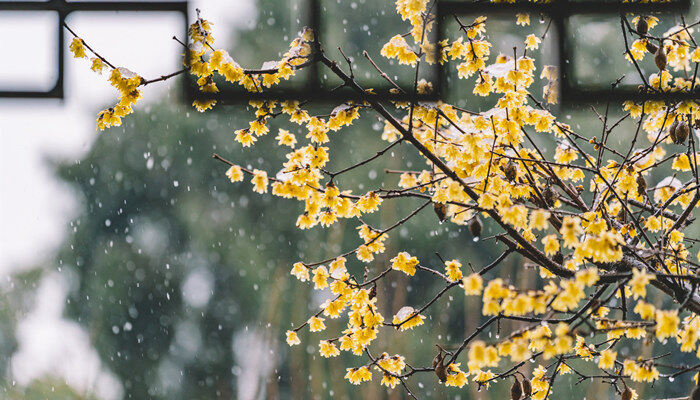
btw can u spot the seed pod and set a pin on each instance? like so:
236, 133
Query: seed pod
516, 390
440, 210
641, 185
475, 227
642, 26
527, 388
622, 216
550, 196
511, 171
441, 372
440, 369
672, 131
626, 394
681, 132
651, 47
660, 57
695, 394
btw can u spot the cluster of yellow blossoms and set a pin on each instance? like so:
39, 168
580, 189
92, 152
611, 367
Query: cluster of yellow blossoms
487, 165
125, 81
203, 61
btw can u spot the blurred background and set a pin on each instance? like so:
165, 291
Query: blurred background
130, 268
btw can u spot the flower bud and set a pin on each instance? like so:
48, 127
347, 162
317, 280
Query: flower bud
672, 131
626, 394
682, 131
441, 211
651, 47
527, 388
516, 390
550, 196
642, 26
510, 170
641, 185
660, 58
475, 227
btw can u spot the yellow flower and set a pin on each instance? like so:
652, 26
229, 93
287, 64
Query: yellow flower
259, 127
306, 221
640, 372
570, 231
532, 42
675, 236
484, 87
645, 310
638, 283
285, 138
107, 119
473, 284
407, 180
333, 309
681, 163
235, 173
689, 335
408, 318
328, 218
404, 262
410, 9
523, 19
607, 359
653, 224
481, 355
551, 244
582, 348
539, 219
587, 277
292, 338
453, 270
666, 323
394, 364
484, 377
203, 105
328, 349
358, 375
390, 381
399, 49
226, 66
300, 272
369, 202
259, 181
320, 278
97, 65
316, 324
456, 377
77, 47
244, 137
515, 215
